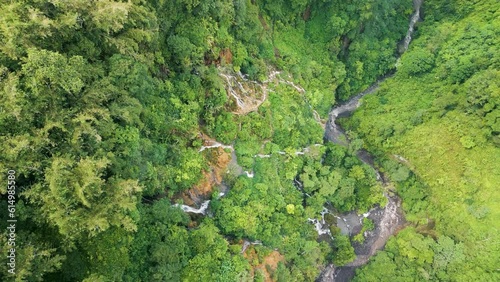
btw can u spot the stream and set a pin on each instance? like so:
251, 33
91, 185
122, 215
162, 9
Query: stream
387, 220
237, 170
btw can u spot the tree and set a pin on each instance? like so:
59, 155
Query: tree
77, 199
343, 252
416, 62
34, 258
448, 257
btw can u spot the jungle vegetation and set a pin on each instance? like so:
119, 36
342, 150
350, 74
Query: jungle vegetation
103, 106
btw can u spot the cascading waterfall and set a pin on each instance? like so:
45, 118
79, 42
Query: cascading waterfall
202, 210
215, 144
250, 174
414, 19
320, 225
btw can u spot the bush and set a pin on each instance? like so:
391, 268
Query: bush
417, 62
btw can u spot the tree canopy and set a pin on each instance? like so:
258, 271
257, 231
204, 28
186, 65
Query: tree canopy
109, 112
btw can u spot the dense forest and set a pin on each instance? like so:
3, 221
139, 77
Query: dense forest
114, 114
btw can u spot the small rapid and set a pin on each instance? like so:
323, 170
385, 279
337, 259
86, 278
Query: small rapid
201, 210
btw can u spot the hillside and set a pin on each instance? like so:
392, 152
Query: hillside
185, 140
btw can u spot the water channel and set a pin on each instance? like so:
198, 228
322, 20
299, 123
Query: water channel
387, 220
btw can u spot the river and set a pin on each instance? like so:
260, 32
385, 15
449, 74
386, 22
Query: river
387, 220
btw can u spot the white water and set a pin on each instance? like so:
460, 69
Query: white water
202, 210
232, 92
246, 99
247, 104
401, 158
414, 19
320, 226
297, 153
216, 144
249, 174
272, 76
332, 132
291, 83
247, 243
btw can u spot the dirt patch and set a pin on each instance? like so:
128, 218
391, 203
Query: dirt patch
272, 261
263, 22
269, 263
200, 190
226, 57
307, 13
218, 161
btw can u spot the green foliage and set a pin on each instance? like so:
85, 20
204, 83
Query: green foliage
75, 201
354, 183
33, 261
109, 263
439, 112
269, 208
212, 262
368, 225
343, 251
366, 35
160, 249
104, 103
413, 256
416, 62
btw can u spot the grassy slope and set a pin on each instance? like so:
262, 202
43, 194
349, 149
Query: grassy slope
424, 118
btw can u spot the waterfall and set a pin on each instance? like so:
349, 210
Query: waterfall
202, 210
414, 19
